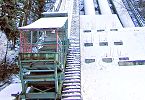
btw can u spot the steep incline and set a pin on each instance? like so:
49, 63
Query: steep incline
72, 83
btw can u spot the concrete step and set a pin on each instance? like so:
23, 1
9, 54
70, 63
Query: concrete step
77, 86
72, 98
72, 72
72, 75
74, 53
75, 67
72, 81
71, 90
75, 94
72, 84
66, 70
74, 64
72, 68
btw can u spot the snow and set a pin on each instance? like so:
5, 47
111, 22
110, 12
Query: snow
123, 14
113, 83
46, 23
104, 7
3, 44
99, 22
6, 93
89, 7
108, 81
14, 88
64, 5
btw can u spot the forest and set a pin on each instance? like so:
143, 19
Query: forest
14, 14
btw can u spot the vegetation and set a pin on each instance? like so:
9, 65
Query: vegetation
16, 13
13, 14
141, 7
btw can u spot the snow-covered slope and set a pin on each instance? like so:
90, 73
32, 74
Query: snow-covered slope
108, 81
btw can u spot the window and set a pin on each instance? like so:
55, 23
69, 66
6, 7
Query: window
101, 30
131, 63
118, 43
88, 44
89, 60
87, 30
107, 60
113, 29
103, 43
124, 58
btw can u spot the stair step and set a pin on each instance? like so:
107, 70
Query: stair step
73, 47
75, 39
72, 84
69, 77
75, 94
72, 98
72, 81
70, 57
72, 69
74, 43
77, 86
74, 53
72, 75
78, 67
72, 72
74, 64
71, 90
74, 60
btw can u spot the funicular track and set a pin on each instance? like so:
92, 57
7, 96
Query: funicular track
72, 82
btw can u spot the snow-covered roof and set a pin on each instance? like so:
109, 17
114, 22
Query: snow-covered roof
46, 23
55, 14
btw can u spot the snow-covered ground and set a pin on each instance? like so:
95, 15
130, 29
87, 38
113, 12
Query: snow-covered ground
14, 88
108, 81
11, 54
3, 44
113, 82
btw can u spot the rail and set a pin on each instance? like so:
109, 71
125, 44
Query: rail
134, 13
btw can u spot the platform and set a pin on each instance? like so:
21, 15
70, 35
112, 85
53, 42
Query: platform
105, 76
97, 22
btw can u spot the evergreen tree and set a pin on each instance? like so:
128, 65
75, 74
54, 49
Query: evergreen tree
16, 13
13, 14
